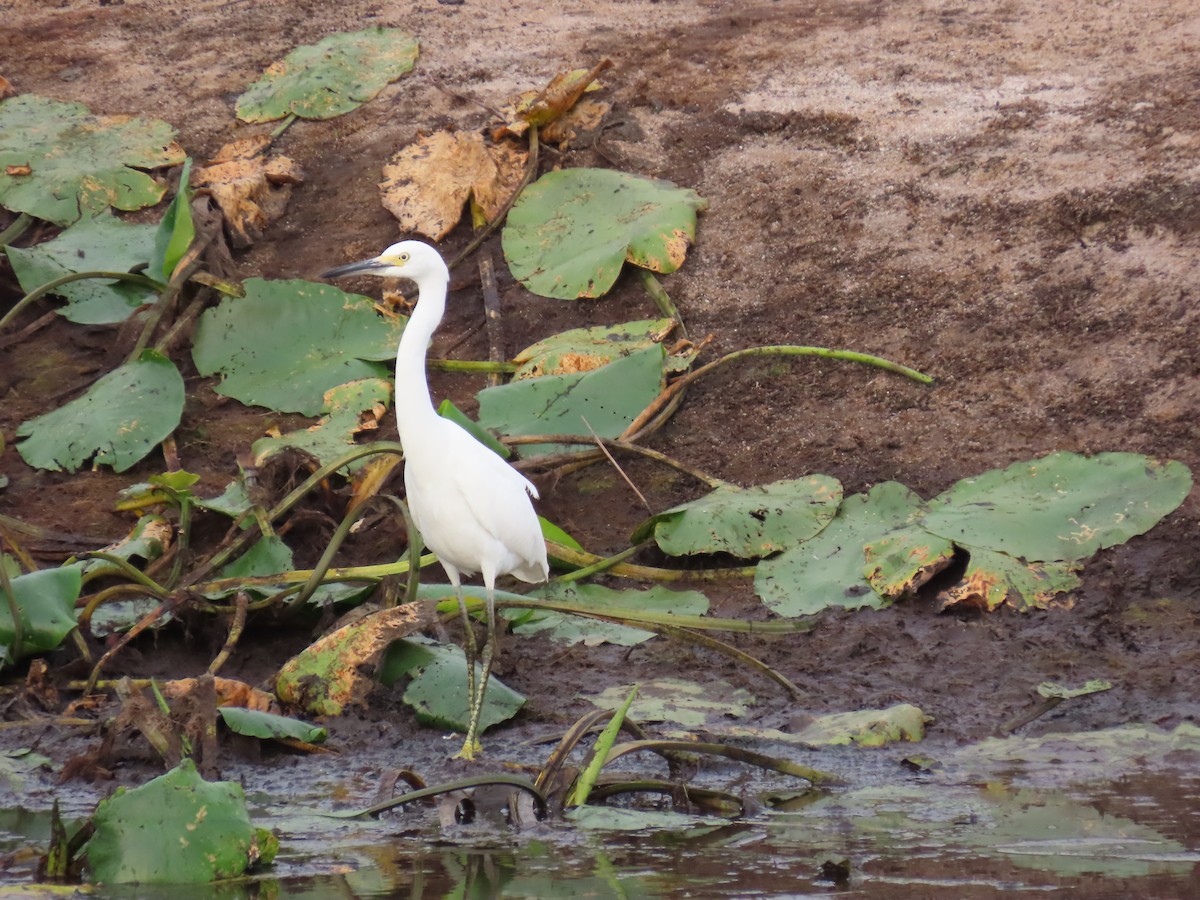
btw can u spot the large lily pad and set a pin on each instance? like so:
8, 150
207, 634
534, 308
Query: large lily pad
994, 578
103, 243
118, 421
747, 522
46, 605
286, 343
608, 398
176, 829
1061, 507
331, 77
60, 162
829, 569
569, 629
571, 231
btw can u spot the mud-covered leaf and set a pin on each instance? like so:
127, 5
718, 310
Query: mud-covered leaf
269, 726
1060, 507
176, 230
828, 570
1052, 689
426, 184
616, 818
571, 231
46, 607
861, 728
60, 162
568, 629
286, 343
609, 398
176, 829
437, 689
331, 77
349, 410
100, 243
747, 522
251, 189
993, 578
585, 349
899, 563
339, 669
121, 418
688, 703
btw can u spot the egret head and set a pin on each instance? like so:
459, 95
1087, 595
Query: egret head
408, 259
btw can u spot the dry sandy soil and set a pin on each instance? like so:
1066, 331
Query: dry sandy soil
1001, 193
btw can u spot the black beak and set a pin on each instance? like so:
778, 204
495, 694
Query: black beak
366, 265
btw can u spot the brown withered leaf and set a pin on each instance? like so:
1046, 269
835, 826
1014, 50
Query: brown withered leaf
542, 107
229, 692
584, 116
252, 191
6, 88
17, 170
427, 183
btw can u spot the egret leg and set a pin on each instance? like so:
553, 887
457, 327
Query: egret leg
471, 746
470, 648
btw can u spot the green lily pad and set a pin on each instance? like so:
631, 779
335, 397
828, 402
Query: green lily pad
331, 77
585, 349
121, 418
609, 398
571, 231
46, 605
176, 829
1060, 507
861, 728
341, 420
748, 522
687, 703
828, 569
437, 691
286, 343
78, 163
268, 726
101, 243
568, 629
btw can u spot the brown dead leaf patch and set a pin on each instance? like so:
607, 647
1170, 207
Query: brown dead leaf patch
427, 183
252, 191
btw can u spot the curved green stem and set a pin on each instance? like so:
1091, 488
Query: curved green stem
41, 291
283, 126
245, 537
132, 571
662, 299
335, 542
16, 229
616, 566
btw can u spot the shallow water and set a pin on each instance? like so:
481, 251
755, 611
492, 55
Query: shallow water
1104, 814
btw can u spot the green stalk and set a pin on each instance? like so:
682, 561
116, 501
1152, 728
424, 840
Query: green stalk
16, 229
41, 291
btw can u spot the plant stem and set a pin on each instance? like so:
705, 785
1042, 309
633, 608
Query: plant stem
16, 229
41, 291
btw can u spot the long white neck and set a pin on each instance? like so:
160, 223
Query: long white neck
413, 406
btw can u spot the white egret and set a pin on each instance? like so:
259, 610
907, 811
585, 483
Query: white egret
472, 508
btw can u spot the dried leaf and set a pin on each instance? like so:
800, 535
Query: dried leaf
549, 104
427, 183
251, 190
229, 691
6, 88
584, 116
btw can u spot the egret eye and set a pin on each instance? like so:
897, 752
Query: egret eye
403, 257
